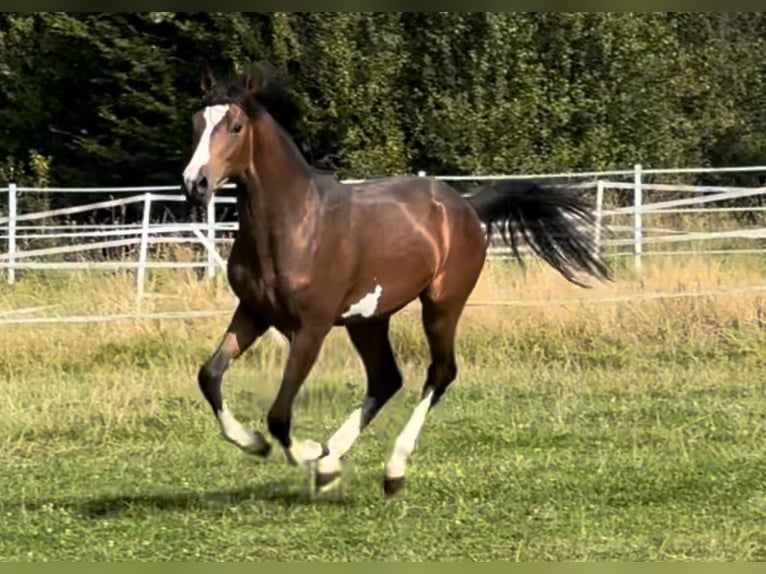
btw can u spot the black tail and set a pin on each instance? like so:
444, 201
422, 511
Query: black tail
555, 224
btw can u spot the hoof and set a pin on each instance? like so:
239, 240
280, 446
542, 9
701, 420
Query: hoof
327, 481
260, 448
393, 486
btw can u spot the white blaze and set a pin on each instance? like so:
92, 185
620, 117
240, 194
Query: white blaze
367, 305
213, 116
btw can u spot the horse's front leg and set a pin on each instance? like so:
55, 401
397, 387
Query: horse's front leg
304, 349
244, 328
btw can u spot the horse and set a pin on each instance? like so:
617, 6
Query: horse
312, 253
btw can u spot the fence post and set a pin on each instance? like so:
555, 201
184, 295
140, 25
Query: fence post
12, 192
638, 232
211, 237
143, 250
599, 214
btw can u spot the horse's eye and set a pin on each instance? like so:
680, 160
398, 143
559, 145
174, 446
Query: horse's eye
236, 128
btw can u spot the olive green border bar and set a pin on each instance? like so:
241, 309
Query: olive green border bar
386, 568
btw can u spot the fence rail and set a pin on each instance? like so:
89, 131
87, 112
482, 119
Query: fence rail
629, 235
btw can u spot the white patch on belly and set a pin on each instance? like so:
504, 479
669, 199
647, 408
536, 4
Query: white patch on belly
367, 305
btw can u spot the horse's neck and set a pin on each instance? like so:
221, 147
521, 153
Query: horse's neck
278, 196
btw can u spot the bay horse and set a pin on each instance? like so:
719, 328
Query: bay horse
312, 253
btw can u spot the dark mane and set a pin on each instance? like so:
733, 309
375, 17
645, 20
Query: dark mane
274, 97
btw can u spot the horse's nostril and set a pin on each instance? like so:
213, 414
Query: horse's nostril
202, 183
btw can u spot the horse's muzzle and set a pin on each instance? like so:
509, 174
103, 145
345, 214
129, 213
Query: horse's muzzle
197, 191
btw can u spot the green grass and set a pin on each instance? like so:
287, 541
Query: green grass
543, 459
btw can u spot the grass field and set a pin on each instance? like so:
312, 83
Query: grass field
630, 431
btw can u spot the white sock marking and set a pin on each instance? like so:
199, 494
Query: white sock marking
405, 442
367, 305
302, 452
343, 439
236, 433
213, 116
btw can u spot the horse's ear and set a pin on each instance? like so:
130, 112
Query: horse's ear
207, 81
253, 82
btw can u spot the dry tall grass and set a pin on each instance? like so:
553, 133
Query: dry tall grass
513, 311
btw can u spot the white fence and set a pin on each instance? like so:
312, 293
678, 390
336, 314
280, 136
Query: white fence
631, 237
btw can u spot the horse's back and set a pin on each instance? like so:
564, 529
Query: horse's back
394, 201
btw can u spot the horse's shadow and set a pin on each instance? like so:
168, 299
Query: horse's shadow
214, 502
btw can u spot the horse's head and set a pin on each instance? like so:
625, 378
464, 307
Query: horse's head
221, 137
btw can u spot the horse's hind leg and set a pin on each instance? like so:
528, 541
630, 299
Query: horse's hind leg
383, 380
440, 322
243, 330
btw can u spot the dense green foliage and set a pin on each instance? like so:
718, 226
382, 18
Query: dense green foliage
106, 98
